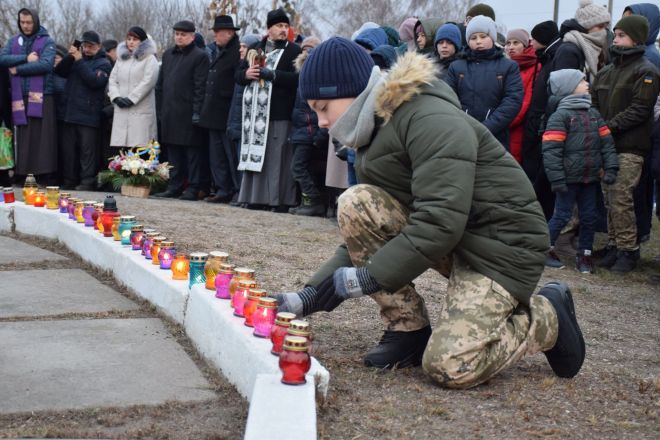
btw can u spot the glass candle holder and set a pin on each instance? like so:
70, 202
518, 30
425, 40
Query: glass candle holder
107, 219
29, 192
197, 262
78, 211
223, 280
136, 237
241, 296
146, 243
295, 361
63, 202
39, 200
9, 195
166, 254
115, 228
52, 197
180, 267
251, 305
212, 267
88, 211
71, 208
264, 317
300, 327
126, 222
97, 216
240, 273
155, 249
280, 330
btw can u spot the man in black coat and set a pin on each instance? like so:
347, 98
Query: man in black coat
224, 57
179, 97
87, 71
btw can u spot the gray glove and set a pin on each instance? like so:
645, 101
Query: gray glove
609, 178
301, 303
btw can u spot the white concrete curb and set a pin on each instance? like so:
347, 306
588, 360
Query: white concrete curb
276, 410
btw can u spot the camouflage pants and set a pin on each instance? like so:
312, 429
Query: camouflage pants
621, 220
482, 328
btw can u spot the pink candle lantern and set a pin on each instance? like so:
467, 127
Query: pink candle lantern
264, 317
241, 296
223, 280
137, 236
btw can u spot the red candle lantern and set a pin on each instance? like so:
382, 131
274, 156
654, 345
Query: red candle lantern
264, 317
300, 327
39, 199
295, 361
251, 305
9, 195
241, 296
280, 330
108, 215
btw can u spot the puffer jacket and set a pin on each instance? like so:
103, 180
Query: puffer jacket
86, 82
577, 144
304, 121
625, 93
652, 14
467, 196
489, 88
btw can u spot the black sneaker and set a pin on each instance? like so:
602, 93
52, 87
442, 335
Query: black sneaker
584, 263
169, 194
626, 261
567, 356
399, 349
609, 257
552, 260
189, 195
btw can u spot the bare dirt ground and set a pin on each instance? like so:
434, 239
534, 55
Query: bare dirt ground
616, 395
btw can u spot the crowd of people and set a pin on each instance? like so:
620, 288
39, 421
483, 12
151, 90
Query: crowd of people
572, 104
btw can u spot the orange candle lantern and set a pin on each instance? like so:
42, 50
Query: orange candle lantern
180, 267
251, 304
115, 228
39, 200
240, 273
155, 249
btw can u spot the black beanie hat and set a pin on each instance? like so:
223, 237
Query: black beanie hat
545, 32
635, 26
277, 16
138, 32
337, 68
481, 9
108, 45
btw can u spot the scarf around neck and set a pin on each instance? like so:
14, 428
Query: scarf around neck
575, 102
356, 126
591, 45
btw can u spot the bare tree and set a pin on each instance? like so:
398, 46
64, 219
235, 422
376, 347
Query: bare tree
9, 16
74, 18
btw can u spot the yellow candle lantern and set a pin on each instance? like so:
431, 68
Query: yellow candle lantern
52, 197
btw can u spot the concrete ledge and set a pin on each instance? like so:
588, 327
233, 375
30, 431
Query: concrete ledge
6, 216
292, 416
41, 222
224, 340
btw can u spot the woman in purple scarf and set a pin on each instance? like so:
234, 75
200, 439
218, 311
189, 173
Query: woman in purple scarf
29, 56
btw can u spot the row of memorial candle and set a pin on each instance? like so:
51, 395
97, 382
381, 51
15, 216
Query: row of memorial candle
291, 339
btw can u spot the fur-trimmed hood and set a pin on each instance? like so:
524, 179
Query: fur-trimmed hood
300, 60
411, 75
145, 49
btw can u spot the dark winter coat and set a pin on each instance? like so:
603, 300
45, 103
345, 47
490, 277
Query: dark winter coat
305, 125
59, 88
652, 14
44, 66
625, 93
489, 87
223, 63
466, 195
180, 94
235, 118
86, 81
577, 145
5, 98
285, 85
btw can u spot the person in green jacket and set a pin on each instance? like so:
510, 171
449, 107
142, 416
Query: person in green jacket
437, 192
577, 150
625, 93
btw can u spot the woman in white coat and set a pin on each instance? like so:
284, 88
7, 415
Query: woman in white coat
131, 90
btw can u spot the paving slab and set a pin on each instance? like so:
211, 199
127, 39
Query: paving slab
73, 364
14, 251
57, 291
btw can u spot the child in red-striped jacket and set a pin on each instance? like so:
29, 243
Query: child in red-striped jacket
578, 150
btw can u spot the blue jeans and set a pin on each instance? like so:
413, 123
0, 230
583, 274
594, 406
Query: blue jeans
585, 194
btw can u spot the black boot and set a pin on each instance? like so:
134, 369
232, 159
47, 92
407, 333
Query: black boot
609, 257
309, 207
625, 261
399, 349
567, 356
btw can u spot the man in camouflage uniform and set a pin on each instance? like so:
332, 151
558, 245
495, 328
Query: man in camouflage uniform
625, 93
438, 192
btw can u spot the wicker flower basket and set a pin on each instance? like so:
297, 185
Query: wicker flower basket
135, 191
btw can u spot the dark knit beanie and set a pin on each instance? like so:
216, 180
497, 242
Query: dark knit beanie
108, 45
635, 26
393, 38
138, 32
277, 16
337, 68
545, 32
481, 9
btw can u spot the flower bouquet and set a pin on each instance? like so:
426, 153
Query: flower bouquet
134, 174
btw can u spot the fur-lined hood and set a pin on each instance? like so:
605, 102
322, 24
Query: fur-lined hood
145, 49
411, 75
300, 60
